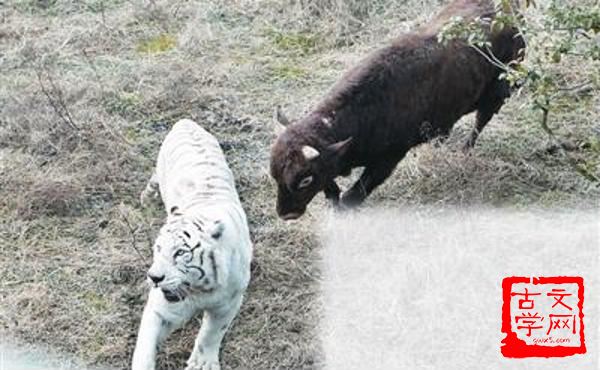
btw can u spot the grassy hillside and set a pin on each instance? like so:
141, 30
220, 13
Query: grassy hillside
89, 88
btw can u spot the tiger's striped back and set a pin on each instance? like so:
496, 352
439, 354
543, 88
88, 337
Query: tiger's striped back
192, 170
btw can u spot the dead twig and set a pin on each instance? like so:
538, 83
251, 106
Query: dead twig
132, 231
56, 99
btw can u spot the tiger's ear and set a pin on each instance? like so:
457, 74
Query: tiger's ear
216, 229
174, 212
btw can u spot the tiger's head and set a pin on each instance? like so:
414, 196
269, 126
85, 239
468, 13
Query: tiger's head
185, 260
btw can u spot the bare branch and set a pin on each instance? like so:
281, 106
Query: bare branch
500, 65
56, 99
132, 231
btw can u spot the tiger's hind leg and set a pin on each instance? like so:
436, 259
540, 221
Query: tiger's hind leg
215, 324
150, 192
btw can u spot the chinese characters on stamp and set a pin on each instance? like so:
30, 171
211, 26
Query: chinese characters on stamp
542, 317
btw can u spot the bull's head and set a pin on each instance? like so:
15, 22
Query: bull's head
302, 168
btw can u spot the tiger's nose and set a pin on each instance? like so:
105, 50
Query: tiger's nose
156, 279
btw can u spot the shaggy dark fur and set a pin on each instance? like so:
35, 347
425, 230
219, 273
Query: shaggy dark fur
400, 96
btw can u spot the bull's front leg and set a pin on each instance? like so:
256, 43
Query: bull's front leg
332, 193
156, 325
372, 176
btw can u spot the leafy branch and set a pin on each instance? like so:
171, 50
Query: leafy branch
564, 32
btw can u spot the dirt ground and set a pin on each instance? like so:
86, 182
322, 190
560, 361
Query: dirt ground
89, 88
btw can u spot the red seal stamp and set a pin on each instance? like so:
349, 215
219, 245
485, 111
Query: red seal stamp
542, 317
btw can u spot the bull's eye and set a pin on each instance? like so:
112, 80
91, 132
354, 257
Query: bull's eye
179, 253
305, 182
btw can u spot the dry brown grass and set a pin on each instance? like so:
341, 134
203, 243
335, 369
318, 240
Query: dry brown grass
88, 90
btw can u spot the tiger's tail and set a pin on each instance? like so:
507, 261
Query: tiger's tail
150, 193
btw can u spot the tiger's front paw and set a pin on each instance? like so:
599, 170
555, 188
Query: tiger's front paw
204, 366
201, 363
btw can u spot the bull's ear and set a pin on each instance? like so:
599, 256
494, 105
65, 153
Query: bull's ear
216, 229
340, 147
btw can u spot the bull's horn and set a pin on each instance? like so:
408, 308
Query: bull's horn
310, 153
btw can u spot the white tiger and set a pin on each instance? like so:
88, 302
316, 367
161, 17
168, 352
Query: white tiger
201, 255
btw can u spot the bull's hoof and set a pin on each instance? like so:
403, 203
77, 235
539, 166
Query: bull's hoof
350, 200
335, 202
467, 148
339, 207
